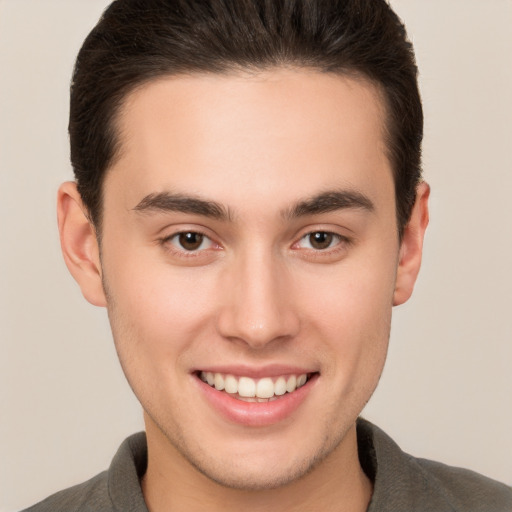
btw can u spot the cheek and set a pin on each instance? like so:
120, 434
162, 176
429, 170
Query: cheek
352, 314
156, 311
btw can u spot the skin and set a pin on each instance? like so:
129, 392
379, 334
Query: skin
257, 291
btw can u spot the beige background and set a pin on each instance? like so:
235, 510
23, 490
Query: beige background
446, 391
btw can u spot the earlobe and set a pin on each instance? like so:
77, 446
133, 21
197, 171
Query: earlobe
79, 244
411, 247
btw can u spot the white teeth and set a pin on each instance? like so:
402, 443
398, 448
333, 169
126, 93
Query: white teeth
251, 390
291, 383
280, 386
265, 388
231, 384
219, 382
246, 387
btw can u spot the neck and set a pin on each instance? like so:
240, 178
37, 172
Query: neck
338, 483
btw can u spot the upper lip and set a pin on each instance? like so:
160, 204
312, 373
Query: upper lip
257, 372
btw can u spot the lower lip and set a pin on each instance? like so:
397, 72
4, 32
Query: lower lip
256, 414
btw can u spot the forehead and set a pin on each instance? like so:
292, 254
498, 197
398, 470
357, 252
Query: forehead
246, 133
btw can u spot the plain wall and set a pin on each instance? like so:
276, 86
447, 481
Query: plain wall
446, 390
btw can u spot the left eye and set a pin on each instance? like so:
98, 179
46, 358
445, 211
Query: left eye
319, 240
190, 241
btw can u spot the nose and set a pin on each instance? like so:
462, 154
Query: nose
258, 301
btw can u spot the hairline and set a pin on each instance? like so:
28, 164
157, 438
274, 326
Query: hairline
236, 70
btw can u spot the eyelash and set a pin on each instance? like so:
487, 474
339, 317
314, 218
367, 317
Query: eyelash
167, 242
331, 237
341, 242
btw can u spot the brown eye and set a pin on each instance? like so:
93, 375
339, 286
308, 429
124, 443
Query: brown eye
190, 241
320, 240
190, 246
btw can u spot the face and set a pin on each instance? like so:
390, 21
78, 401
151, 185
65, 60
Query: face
250, 241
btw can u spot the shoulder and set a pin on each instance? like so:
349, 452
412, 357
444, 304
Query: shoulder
88, 496
403, 482
465, 489
113, 490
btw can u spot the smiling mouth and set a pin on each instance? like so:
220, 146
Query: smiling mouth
248, 389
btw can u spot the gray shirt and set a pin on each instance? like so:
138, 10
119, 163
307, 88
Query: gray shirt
402, 483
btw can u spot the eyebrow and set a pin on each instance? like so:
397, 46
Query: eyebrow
324, 202
169, 202
330, 201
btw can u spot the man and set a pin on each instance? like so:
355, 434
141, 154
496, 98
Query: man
248, 206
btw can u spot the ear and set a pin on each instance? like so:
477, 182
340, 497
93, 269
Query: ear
411, 247
79, 244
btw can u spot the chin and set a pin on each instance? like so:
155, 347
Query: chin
256, 476
263, 467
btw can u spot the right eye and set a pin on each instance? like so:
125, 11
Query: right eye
189, 241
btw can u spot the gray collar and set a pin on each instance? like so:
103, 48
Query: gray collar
402, 483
